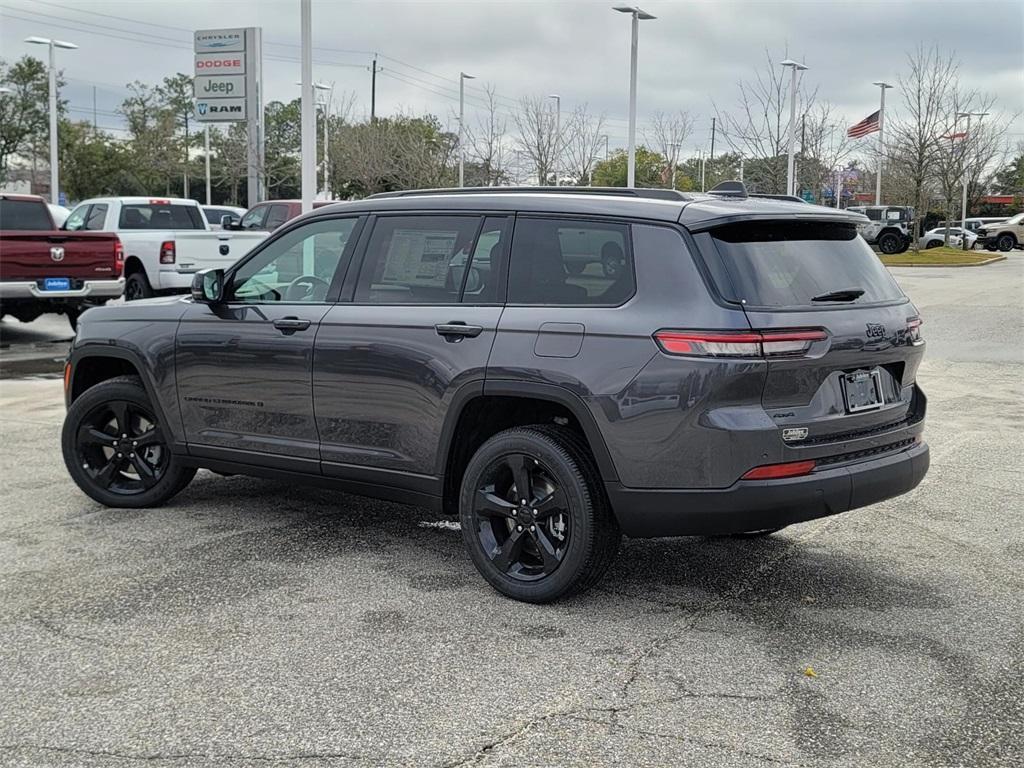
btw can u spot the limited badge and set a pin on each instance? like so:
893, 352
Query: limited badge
794, 434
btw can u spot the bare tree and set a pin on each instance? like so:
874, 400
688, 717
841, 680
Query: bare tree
759, 127
582, 137
486, 145
537, 139
666, 133
824, 147
914, 137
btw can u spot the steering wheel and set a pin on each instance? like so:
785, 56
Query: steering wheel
306, 288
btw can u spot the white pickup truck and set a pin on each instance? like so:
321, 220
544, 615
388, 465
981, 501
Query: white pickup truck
166, 240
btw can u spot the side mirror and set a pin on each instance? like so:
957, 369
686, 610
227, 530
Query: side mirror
227, 221
208, 286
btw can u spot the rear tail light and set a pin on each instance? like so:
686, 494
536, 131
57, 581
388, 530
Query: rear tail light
772, 343
776, 471
118, 257
914, 331
167, 253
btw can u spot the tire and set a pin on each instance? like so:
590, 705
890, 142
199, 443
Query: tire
990, 246
576, 527
933, 244
1006, 243
72, 315
137, 287
888, 244
94, 436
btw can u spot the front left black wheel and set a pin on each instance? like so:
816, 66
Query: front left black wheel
534, 515
116, 449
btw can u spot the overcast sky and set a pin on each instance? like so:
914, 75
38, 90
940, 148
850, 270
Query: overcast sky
695, 51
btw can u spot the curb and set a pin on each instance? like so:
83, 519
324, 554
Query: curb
27, 360
927, 266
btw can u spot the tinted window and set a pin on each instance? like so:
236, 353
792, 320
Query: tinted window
160, 216
97, 216
570, 262
786, 264
24, 215
296, 267
418, 260
253, 218
277, 216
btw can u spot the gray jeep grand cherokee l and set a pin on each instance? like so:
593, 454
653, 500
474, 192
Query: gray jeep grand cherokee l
555, 367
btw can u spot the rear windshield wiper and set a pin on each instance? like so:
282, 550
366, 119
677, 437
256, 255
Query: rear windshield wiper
847, 294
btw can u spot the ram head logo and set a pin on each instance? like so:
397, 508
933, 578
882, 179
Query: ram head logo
57, 253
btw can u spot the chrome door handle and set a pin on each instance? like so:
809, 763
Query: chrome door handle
456, 330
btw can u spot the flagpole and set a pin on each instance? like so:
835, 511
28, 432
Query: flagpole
881, 143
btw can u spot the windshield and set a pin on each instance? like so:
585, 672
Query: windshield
788, 263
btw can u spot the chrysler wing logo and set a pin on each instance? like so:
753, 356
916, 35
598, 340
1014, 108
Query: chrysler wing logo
794, 434
57, 253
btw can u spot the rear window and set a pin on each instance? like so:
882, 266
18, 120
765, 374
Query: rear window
24, 215
787, 264
160, 216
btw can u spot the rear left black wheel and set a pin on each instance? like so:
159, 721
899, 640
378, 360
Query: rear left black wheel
116, 450
534, 516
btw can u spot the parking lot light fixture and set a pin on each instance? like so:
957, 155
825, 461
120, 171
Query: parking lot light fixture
53, 45
790, 169
638, 16
463, 77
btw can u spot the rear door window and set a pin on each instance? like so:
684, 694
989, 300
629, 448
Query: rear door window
420, 260
784, 264
277, 216
568, 262
96, 218
253, 218
160, 216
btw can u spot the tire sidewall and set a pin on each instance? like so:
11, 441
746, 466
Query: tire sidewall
1005, 243
887, 239
105, 392
581, 517
139, 279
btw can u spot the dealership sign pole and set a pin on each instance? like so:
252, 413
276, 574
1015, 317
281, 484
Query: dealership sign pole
229, 88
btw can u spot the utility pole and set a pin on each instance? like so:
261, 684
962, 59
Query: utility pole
95, 123
373, 91
712, 158
206, 155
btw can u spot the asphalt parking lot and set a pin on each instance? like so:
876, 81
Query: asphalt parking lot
250, 623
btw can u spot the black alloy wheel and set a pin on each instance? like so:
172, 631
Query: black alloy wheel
1006, 243
116, 450
137, 287
889, 244
521, 518
535, 517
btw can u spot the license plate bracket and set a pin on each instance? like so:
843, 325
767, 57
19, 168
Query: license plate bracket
57, 284
862, 391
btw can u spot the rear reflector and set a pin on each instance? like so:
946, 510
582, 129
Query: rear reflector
739, 343
775, 471
67, 377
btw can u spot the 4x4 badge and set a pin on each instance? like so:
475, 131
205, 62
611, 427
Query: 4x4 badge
793, 434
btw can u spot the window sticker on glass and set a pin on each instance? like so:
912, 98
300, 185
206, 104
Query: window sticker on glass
416, 257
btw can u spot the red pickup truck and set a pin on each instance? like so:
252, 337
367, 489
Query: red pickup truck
44, 269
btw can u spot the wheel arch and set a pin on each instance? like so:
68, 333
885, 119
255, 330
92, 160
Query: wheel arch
92, 366
497, 401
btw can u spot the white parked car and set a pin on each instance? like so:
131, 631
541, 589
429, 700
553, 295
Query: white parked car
60, 214
933, 238
166, 241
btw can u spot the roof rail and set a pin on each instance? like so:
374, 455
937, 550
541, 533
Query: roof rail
651, 194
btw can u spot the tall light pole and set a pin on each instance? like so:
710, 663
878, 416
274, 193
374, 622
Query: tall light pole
317, 86
558, 135
881, 142
206, 158
308, 120
54, 162
790, 175
637, 15
963, 202
463, 77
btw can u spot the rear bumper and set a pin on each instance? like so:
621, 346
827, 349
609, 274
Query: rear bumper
91, 289
175, 279
756, 505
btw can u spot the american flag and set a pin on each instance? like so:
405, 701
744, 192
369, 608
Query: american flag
868, 125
